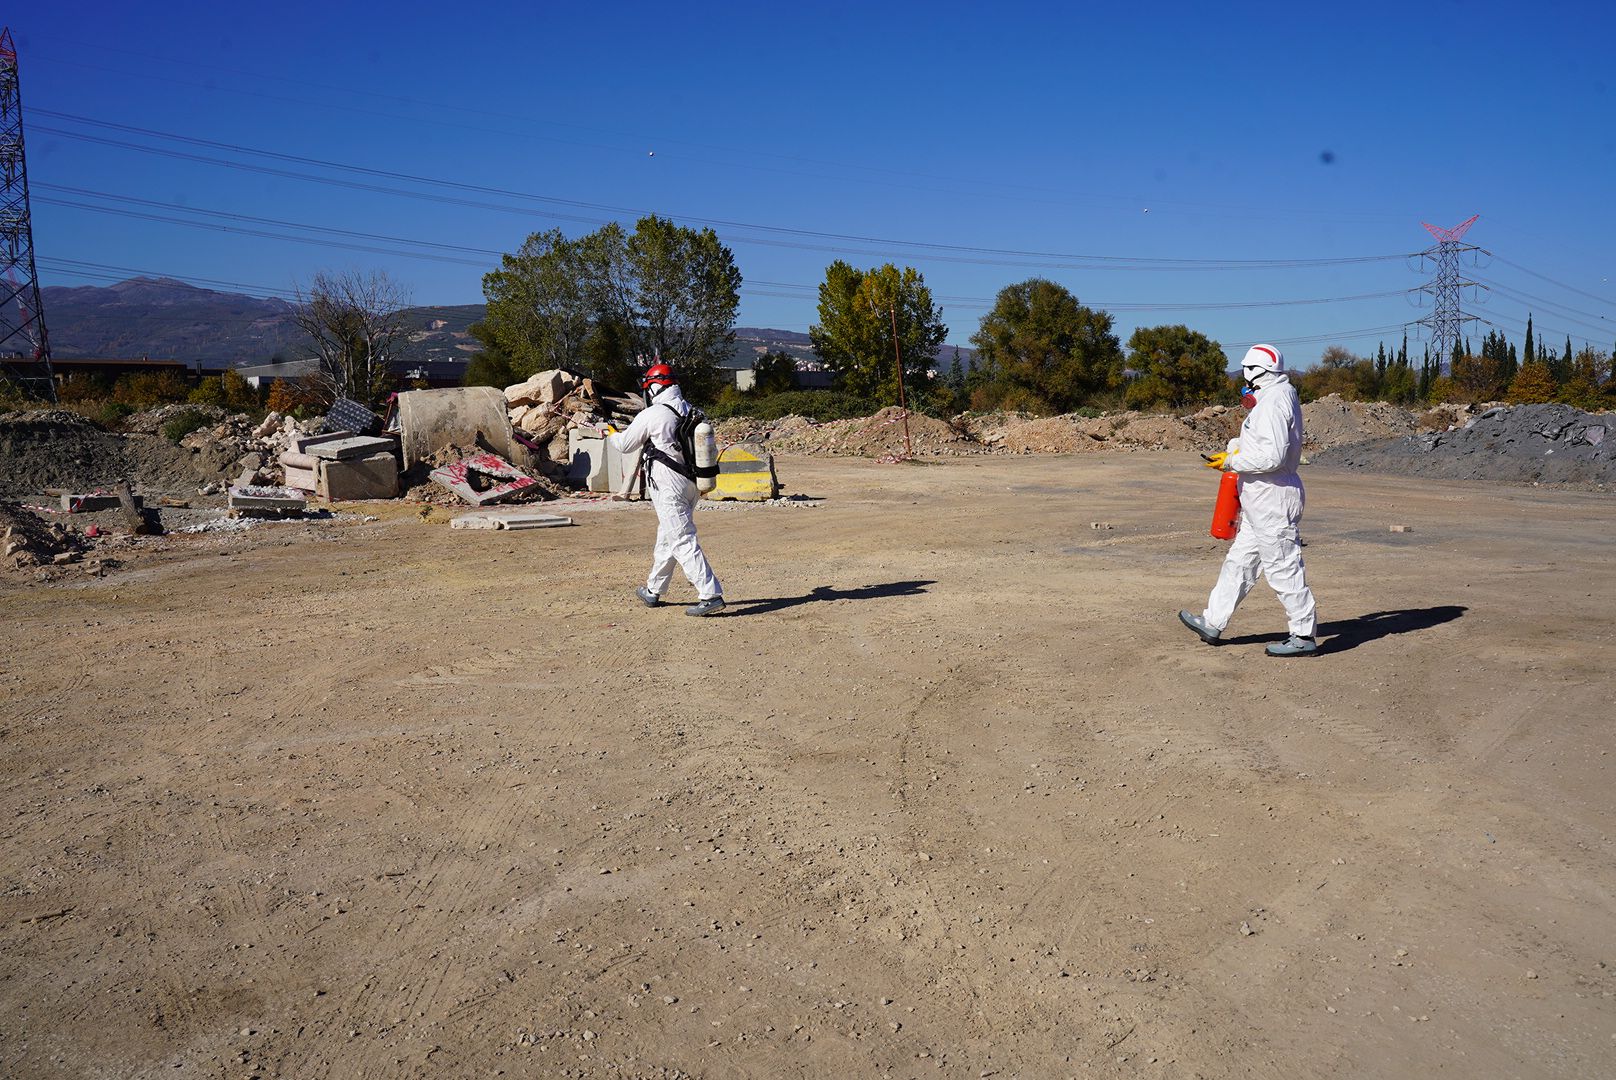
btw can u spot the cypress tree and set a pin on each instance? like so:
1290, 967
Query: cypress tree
1530, 358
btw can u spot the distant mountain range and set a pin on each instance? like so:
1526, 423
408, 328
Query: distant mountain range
168, 319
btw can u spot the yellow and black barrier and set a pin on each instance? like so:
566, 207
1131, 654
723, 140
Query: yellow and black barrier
745, 473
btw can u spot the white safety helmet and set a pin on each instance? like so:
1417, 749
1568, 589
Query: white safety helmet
1263, 358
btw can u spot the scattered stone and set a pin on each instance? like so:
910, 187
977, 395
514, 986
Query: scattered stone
1245, 929
1402, 528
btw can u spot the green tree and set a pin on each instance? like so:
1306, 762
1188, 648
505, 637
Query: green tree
229, 390
1042, 351
1476, 378
1339, 371
539, 305
490, 366
1532, 385
610, 301
1176, 367
774, 373
853, 336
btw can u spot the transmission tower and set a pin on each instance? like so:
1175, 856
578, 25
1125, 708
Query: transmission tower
1447, 318
24, 347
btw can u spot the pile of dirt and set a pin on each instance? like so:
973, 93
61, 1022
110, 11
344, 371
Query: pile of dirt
56, 448
1140, 432
1548, 444
1333, 421
881, 435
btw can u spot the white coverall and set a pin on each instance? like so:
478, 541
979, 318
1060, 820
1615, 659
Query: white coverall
673, 495
1270, 448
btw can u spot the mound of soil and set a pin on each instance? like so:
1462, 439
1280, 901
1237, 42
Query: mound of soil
55, 448
880, 435
1333, 421
1548, 444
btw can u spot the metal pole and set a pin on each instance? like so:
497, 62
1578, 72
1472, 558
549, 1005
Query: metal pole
908, 451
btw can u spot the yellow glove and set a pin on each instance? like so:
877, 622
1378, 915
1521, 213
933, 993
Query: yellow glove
1220, 460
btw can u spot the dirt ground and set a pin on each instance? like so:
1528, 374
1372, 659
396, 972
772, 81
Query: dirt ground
947, 792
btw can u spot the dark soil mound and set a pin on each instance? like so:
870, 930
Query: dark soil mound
1546, 444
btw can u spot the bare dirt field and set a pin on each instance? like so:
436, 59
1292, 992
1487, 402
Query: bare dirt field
947, 792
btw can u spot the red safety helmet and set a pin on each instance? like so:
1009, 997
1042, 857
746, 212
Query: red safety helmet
657, 375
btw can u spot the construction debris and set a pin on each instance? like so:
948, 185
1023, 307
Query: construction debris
266, 501
27, 540
429, 420
482, 479
508, 518
93, 502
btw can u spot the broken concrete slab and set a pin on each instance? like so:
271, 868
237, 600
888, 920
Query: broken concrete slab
483, 479
94, 501
265, 501
354, 446
509, 517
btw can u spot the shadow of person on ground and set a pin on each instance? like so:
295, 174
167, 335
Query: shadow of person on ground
1344, 634
827, 592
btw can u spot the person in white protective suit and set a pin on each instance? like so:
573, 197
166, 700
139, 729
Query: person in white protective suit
1265, 457
672, 494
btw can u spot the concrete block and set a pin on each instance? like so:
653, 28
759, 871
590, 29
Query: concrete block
746, 474
482, 478
546, 386
354, 446
302, 444
509, 517
589, 461
265, 501
374, 477
88, 504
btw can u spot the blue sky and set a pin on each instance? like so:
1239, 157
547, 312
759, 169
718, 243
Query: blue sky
981, 144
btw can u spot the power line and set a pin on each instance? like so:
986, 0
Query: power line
1028, 192
1115, 261
1569, 288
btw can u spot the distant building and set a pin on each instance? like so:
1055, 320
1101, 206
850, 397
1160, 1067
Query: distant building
438, 324
261, 375
113, 368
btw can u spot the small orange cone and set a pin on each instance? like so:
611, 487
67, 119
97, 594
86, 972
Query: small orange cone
1226, 511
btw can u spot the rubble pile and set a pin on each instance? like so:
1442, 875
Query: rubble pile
880, 435
542, 408
1547, 444
1333, 421
27, 540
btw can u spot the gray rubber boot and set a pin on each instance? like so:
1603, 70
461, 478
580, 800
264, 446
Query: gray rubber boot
1208, 634
1294, 645
647, 597
711, 606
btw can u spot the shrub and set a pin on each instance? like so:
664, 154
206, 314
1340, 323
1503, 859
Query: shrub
229, 391
146, 389
112, 413
184, 423
817, 405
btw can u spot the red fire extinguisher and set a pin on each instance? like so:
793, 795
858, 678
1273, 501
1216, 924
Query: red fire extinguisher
1226, 511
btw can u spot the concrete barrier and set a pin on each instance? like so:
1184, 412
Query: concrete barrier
745, 473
